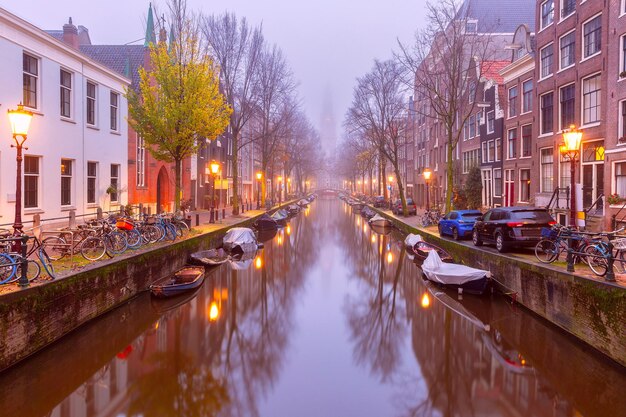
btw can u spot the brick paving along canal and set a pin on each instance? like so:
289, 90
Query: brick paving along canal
329, 319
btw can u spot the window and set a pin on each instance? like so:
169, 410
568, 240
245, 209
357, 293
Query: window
483, 149
547, 13
491, 119
592, 36
31, 181
547, 59
30, 80
513, 101
472, 126
115, 178
141, 162
470, 159
92, 172
565, 172
524, 192
567, 8
591, 99
622, 63
512, 144
620, 179
91, 103
498, 149
568, 109
66, 182
527, 133
66, 93
497, 182
471, 26
491, 147
547, 170
472, 91
527, 97
546, 113
621, 135
567, 45
114, 111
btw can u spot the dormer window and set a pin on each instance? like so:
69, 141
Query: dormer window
471, 26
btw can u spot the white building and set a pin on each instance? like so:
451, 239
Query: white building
78, 139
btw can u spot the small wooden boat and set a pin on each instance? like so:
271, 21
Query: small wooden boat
293, 209
163, 305
187, 279
211, 257
421, 249
265, 222
380, 221
462, 277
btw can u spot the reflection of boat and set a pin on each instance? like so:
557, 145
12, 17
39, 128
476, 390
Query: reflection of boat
381, 230
293, 209
162, 305
280, 216
188, 278
265, 222
509, 357
367, 212
455, 306
268, 234
303, 203
211, 257
243, 261
240, 239
471, 280
357, 207
379, 221
422, 249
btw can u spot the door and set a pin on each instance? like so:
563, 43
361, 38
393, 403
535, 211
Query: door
487, 190
592, 174
509, 188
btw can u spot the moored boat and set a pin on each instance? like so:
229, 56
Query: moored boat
265, 222
184, 280
241, 239
211, 257
468, 279
280, 216
379, 221
422, 249
303, 203
293, 209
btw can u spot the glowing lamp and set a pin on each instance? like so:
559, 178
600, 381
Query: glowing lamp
20, 120
259, 176
572, 138
215, 167
427, 174
425, 302
214, 311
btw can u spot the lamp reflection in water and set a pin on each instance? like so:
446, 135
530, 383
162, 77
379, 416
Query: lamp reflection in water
214, 311
288, 229
258, 262
389, 257
373, 238
425, 302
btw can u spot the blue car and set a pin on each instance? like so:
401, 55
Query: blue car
458, 223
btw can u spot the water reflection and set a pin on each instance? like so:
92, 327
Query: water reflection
260, 330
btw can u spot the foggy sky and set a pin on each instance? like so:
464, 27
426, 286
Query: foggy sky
328, 43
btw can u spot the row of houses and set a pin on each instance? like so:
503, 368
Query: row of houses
82, 154
558, 63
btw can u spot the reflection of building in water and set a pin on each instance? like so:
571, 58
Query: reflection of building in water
463, 364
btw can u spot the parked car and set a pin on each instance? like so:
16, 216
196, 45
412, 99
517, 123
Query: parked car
379, 201
458, 223
397, 207
509, 227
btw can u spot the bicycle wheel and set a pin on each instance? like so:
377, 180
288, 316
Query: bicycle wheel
116, 243
596, 257
133, 237
546, 251
150, 233
46, 262
32, 270
619, 262
170, 231
182, 226
8, 268
55, 247
93, 248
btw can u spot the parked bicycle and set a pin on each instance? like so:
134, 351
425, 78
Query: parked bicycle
431, 217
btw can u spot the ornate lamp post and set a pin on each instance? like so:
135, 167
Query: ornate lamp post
259, 177
215, 169
571, 147
280, 191
427, 174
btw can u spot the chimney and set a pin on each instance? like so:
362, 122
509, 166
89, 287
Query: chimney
70, 34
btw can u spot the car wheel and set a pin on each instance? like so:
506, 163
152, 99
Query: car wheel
455, 233
440, 231
476, 239
500, 245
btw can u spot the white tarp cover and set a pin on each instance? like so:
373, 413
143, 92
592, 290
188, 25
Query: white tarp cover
411, 240
240, 236
280, 215
378, 218
447, 273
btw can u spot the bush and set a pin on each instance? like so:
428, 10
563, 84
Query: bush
474, 189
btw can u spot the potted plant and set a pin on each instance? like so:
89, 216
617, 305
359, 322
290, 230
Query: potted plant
622, 74
614, 199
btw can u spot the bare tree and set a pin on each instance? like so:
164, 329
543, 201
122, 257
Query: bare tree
237, 48
378, 113
447, 58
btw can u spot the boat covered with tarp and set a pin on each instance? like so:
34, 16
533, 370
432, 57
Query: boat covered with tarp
293, 209
379, 221
303, 203
280, 215
411, 240
471, 280
240, 240
367, 212
265, 222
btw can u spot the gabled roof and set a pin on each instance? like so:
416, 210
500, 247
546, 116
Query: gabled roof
499, 16
491, 70
124, 59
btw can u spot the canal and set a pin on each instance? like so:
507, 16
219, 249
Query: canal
329, 319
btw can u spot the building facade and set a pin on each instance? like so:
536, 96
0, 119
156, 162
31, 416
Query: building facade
76, 156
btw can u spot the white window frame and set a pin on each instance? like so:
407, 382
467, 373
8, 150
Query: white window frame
509, 101
582, 100
95, 180
582, 34
613, 178
620, 123
70, 91
484, 151
521, 139
508, 147
519, 196
563, 17
541, 132
541, 75
38, 176
95, 103
541, 177
573, 61
493, 182
530, 109
114, 111
69, 175
491, 144
117, 184
561, 127
622, 56
37, 81
141, 161
498, 158
541, 22
491, 123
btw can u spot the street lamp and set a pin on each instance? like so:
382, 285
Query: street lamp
571, 148
427, 174
259, 177
20, 122
215, 169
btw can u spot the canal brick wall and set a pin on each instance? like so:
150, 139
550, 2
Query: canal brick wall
33, 318
591, 310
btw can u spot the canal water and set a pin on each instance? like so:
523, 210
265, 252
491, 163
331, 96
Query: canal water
329, 319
